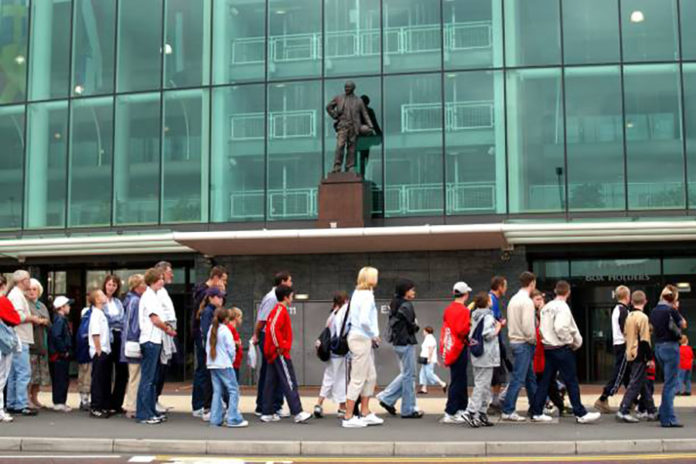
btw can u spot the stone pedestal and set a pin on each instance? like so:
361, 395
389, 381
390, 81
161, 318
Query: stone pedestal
344, 201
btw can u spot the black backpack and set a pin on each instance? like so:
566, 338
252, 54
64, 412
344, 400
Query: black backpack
339, 342
476, 340
324, 348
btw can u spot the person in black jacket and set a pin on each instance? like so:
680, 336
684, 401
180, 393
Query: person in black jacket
403, 327
59, 348
365, 142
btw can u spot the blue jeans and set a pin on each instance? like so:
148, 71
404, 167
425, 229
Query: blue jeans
202, 388
18, 381
428, 376
404, 385
667, 354
225, 385
147, 390
684, 381
522, 373
561, 361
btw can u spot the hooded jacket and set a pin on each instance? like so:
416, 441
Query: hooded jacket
491, 347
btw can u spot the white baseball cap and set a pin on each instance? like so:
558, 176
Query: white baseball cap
61, 301
461, 288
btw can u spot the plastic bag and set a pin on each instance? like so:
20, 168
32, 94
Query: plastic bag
252, 355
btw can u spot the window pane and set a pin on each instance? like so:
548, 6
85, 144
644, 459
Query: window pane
591, 31
46, 162
473, 33
413, 145
412, 38
14, 17
239, 28
137, 159
294, 38
649, 30
185, 155
653, 137
532, 32
535, 140
475, 142
93, 47
187, 43
12, 159
49, 69
690, 123
594, 129
611, 270
352, 42
139, 45
688, 29
238, 171
294, 149
91, 152
679, 266
368, 157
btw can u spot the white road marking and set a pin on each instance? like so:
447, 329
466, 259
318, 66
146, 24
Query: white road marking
43, 456
142, 459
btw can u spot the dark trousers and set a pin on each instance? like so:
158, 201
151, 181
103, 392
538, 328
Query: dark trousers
637, 386
560, 361
277, 394
280, 376
147, 390
646, 396
121, 373
346, 137
202, 395
60, 380
458, 392
364, 158
101, 382
162, 371
620, 375
554, 393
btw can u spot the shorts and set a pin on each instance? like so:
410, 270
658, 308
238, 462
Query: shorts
39, 370
499, 376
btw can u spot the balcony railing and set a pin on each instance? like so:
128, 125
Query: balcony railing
282, 125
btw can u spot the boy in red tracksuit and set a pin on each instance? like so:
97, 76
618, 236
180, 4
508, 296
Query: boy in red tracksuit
276, 349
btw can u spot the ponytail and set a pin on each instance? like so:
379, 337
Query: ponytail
204, 302
221, 315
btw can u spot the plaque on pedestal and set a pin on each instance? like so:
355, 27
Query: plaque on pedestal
344, 201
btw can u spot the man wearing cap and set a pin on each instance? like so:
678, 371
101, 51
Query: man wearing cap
59, 347
453, 343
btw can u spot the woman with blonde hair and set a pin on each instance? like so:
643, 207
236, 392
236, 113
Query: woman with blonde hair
363, 338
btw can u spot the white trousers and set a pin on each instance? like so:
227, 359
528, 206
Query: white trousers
333, 386
5, 365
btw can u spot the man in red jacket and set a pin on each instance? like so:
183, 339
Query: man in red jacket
453, 343
276, 349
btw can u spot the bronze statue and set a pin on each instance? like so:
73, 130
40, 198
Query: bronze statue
347, 111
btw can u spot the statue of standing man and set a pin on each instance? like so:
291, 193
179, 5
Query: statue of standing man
346, 111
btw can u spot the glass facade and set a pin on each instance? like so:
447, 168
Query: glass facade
147, 112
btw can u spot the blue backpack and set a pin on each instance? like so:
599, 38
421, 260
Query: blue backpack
476, 340
82, 351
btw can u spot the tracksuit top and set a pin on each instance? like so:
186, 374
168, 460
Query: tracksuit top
278, 333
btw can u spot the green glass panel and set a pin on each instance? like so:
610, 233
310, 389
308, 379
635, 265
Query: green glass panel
239, 48
368, 149
535, 141
49, 56
690, 127
12, 159
294, 149
551, 269
238, 153
45, 180
187, 43
532, 32
473, 33
93, 47
475, 142
594, 131
650, 30
91, 156
294, 38
591, 31
611, 270
140, 45
185, 156
14, 18
413, 145
412, 36
655, 158
352, 42
688, 29
679, 266
137, 159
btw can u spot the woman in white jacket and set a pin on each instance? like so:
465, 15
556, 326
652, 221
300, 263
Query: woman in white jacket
333, 384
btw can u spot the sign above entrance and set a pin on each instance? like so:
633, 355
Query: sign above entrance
617, 278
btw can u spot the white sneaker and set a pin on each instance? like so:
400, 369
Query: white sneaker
237, 426
302, 417
271, 418
513, 417
161, 409
62, 408
354, 422
206, 417
372, 419
551, 411
283, 413
452, 419
199, 413
542, 418
5, 417
588, 418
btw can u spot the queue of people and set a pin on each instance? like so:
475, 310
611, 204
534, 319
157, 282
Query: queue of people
123, 348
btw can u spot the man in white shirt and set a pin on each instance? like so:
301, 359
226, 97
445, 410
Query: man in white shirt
620, 374
169, 317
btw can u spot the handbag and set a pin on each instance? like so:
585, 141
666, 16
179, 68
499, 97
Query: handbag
8, 339
673, 328
132, 350
324, 345
339, 343
422, 360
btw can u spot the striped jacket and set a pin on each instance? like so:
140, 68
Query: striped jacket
278, 333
